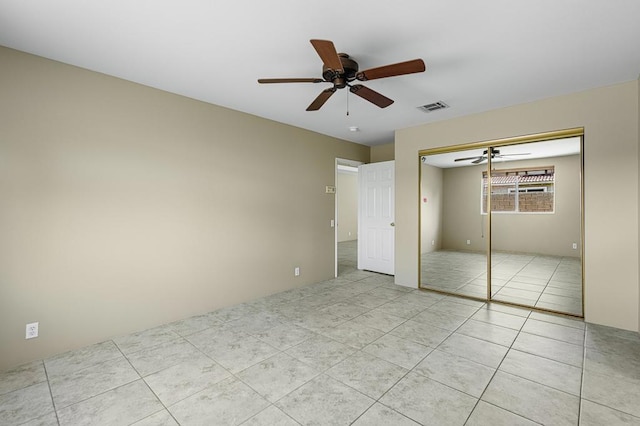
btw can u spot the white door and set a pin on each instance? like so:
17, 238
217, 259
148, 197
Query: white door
376, 233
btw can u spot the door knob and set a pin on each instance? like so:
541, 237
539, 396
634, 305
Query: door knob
393, 224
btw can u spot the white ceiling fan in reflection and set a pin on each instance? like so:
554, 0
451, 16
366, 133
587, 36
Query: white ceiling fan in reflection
495, 154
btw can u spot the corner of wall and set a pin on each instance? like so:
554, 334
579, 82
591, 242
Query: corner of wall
379, 153
130, 213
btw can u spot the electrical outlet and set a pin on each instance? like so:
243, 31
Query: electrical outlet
32, 330
296, 271
575, 246
468, 242
433, 242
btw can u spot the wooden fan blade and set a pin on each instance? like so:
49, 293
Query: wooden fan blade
321, 99
289, 80
327, 52
370, 95
408, 67
467, 158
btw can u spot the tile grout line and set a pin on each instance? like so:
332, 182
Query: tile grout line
156, 395
411, 370
582, 371
512, 277
146, 384
544, 357
377, 401
319, 372
93, 366
496, 371
53, 401
547, 284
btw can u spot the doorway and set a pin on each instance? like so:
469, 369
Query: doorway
346, 214
376, 212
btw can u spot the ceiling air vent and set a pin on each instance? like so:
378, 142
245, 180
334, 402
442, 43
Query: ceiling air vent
433, 107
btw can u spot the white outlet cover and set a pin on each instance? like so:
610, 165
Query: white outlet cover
32, 330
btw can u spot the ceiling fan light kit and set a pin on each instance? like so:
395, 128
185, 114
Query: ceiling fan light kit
341, 70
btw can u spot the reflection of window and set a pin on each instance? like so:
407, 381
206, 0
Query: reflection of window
532, 189
520, 190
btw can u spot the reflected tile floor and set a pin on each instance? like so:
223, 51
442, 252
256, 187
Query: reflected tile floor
307, 357
547, 282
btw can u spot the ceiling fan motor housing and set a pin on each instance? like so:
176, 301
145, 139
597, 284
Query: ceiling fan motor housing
340, 80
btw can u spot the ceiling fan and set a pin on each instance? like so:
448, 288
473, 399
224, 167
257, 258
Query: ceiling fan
495, 153
341, 70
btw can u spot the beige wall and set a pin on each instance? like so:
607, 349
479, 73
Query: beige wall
347, 198
125, 207
380, 153
546, 234
610, 117
461, 204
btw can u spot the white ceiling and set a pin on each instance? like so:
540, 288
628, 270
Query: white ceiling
480, 55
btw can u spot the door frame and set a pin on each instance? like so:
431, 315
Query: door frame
339, 162
538, 137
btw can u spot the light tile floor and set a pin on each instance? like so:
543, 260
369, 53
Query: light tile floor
548, 282
354, 350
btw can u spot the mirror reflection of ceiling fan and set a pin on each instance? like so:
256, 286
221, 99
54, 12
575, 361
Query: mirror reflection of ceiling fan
495, 153
341, 70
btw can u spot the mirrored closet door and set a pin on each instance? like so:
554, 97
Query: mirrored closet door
503, 222
454, 235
